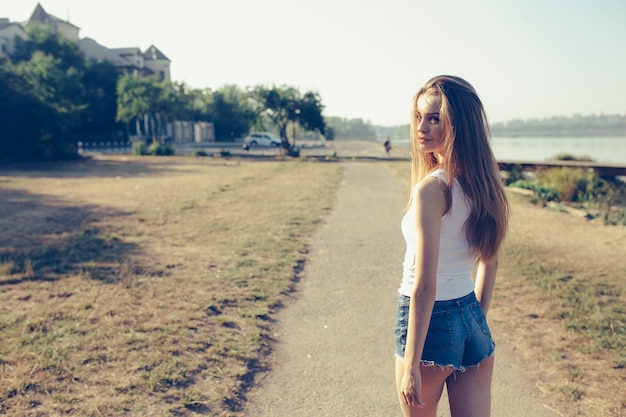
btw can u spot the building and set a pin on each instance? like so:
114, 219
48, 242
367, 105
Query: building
63, 27
129, 60
8, 32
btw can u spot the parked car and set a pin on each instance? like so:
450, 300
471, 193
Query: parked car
262, 139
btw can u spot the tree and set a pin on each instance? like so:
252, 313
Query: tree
280, 105
46, 39
82, 92
310, 115
189, 104
132, 102
54, 66
284, 105
352, 129
43, 83
157, 101
99, 83
162, 105
56, 84
231, 112
30, 128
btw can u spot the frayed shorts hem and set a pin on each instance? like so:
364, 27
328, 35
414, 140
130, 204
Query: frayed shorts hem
456, 368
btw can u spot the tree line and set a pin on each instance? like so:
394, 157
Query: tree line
51, 97
577, 125
359, 129
594, 125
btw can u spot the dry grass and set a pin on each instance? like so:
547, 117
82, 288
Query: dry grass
560, 301
146, 286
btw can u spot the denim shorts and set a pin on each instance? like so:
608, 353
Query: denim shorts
458, 334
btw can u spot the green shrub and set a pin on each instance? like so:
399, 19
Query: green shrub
168, 150
515, 174
525, 184
570, 157
199, 153
610, 199
543, 192
547, 193
159, 149
154, 148
573, 184
603, 196
615, 217
139, 148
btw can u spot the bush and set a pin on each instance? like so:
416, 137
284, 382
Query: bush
544, 193
139, 148
547, 193
199, 153
293, 151
602, 196
610, 199
159, 149
573, 184
615, 217
515, 174
570, 157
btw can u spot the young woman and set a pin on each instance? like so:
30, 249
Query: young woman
456, 220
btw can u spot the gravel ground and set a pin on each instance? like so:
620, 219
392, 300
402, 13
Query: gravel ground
335, 349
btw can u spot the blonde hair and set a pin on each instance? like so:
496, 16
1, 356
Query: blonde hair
466, 156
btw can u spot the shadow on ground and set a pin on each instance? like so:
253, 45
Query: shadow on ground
44, 237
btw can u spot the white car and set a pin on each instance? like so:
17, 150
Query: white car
262, 139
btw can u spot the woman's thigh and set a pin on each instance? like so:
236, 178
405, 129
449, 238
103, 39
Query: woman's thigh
433, 381
469, 392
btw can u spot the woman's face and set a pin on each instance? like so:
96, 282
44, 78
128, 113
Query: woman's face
429, 131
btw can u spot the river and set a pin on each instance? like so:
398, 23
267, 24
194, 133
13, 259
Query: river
600, 149
610, 149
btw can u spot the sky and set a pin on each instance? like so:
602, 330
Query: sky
367, 58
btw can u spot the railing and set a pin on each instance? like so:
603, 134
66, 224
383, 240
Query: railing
603, 169
112, 147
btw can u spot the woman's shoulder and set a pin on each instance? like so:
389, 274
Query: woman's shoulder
433, 192
439, 174
430, 189
431, 196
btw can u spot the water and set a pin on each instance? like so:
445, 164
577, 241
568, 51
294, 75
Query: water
600, 149
534, 149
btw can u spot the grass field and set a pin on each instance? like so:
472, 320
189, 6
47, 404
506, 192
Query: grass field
147, 286
561, 299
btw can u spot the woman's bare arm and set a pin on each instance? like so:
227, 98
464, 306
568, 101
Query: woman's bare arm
485, 282
431, 203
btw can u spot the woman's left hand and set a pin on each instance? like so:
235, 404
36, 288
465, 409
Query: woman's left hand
411, 389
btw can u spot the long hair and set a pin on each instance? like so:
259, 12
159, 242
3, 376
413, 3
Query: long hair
467, 156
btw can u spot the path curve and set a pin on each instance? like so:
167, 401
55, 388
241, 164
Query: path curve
335, 350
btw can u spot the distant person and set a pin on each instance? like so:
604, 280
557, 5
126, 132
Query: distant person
387, 145
456, 218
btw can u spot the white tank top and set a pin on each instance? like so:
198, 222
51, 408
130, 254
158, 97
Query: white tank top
456, 259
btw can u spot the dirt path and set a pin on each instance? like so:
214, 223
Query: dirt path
335, 350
